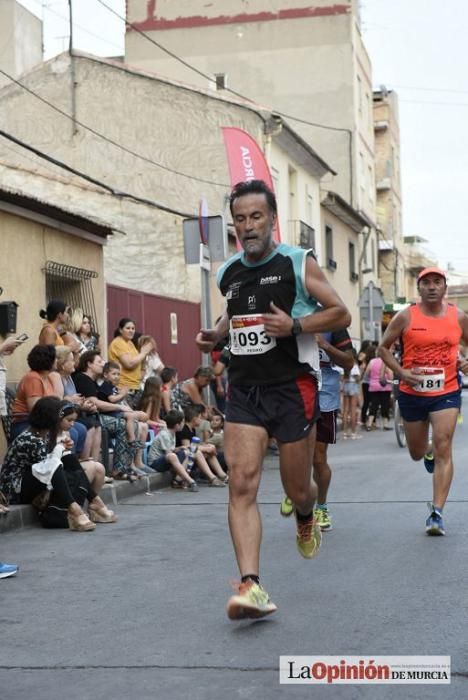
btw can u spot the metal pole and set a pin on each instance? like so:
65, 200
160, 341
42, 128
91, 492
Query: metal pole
371, 309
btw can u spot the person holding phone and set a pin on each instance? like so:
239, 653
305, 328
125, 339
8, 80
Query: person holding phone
7, 347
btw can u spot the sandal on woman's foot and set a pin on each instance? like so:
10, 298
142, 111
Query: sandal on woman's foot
80, 523
217, 482
102, 515
175, 484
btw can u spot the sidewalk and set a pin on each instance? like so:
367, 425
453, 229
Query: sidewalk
112, 494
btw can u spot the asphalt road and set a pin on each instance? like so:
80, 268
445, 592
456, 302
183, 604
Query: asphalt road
136, 609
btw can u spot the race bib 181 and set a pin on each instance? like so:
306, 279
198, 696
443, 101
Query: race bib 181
248, 336
432, 379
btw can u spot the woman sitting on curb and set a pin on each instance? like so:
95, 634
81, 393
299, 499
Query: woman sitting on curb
39, 463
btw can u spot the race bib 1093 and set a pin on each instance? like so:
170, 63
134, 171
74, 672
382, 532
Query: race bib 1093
248, 336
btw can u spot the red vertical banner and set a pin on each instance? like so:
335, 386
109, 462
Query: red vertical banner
247, 162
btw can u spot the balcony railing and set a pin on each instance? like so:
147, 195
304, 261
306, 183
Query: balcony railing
302, 234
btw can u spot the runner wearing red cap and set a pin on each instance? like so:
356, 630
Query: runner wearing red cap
430, 333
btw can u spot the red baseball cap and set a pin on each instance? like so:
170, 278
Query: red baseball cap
431, 271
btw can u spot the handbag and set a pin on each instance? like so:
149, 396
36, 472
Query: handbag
383, 379
41, 501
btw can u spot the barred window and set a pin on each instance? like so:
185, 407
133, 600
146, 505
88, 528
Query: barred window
72, 285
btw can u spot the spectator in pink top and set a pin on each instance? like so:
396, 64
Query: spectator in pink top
380, 391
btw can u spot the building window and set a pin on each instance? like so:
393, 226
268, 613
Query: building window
275, 178
309, 203
73, 286
306, 236
329, 261
371, 184
221, 81
359, 86
353, 276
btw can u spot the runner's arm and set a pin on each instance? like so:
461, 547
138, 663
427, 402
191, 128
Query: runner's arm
463, 320
342, 358
207, 338
333, 316
394, 330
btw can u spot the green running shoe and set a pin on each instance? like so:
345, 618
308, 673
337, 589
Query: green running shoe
429, 462
286, 507
308, 538
251, 601
322, 516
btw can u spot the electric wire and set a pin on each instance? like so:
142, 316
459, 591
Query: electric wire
107, 138
92, 180
211, 79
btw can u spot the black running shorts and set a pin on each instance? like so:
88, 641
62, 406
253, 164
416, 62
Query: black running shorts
326, 427
287, 411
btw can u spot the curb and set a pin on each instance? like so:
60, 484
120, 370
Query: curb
23, 516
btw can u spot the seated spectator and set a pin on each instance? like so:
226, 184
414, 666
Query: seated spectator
40, 381
35, 464
7, 347
169, 380
205, 456
150, 402
135, 421
152, 365
94, 470
54, 330
163, 454
90, 369
86, 335
216, 435
86, 432
189, 392
203, 428
73, 325
123, 351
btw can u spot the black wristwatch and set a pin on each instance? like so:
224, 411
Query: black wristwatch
296, 327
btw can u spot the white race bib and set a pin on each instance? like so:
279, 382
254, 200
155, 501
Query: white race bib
432, 379
248, 336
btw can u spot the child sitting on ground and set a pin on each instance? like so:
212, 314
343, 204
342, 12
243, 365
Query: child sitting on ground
205, 456
164, 456
150, 403
109, 391
203, 429
169, 378
216, 434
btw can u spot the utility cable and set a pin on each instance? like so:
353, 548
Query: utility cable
92, 180
106, 138
210, 77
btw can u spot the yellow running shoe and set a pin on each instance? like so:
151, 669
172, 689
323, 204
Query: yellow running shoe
251, 601
286, 507
322, 516
308, 538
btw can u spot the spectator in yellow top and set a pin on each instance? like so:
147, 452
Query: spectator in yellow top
123, 351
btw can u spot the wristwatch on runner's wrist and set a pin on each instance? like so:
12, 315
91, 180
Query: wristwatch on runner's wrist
296, 327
